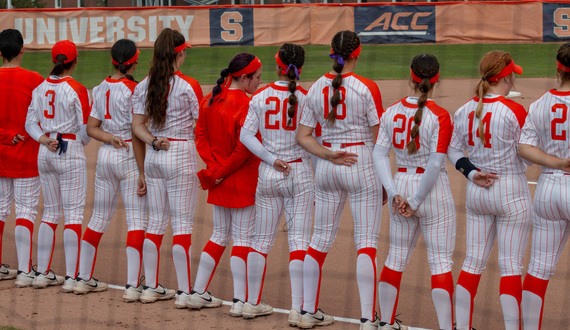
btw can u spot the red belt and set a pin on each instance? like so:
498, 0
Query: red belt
553, 173
419, 170
68, 136
129, 140
344, 145
169, 139
300, 160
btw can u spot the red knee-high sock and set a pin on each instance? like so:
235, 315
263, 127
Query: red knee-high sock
512, 286
53, 227
297, 255
2, 223
77, 229
185, 241
370, 252
445, 282
135, 240
538, 287
29, 225
253, 273
92, 237
215, 251
320, 258
470, 282
157, 240
393, 278
241, 252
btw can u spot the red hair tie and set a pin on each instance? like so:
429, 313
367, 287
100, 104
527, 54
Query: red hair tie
129, 61
285, 68
417, 79
562, 67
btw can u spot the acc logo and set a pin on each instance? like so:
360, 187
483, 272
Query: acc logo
231, 26
395, 24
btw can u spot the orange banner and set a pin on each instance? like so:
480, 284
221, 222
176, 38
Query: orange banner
476, 22
276, 26
96, 29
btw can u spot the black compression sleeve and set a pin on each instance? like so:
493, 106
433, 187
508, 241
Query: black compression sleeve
465, 166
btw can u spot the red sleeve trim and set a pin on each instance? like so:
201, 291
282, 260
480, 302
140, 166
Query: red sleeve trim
375, 91
518, 110
194, 83
445, 126
131, 85
83, 97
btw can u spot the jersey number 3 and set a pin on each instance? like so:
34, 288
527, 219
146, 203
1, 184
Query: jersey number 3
50, 112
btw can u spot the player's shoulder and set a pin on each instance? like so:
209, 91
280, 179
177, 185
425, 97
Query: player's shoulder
511, 104
262, 90
301, 89
191, 81
442, 115
394, 106
372, 86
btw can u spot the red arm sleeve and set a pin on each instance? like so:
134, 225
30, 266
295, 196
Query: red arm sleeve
238, 156
6, 136
202, 142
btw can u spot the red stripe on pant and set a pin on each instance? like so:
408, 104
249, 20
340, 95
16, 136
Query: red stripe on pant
30, 226
2, 223
92, 237
320, 258
77, 229
215, 251
135, 240
445, 282
185, 241
53, 227
371, 252
393, 278
263, 276
469, 282
538, 287
297, 255
241, 252
157, 240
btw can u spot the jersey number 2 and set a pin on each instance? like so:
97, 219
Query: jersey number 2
486, 129
50, 112
561, 120
279, 108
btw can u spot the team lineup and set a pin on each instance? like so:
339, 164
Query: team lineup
282, 151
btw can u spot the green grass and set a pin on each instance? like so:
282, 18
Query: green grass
376, 61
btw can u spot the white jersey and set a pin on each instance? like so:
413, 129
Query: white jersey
112, 105
184, 99
396, 126
60, 105
547, 126
503, 120
358, 94
268, 115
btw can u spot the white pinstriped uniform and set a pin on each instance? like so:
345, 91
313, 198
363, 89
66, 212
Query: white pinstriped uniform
334, 183
171, 175
546, 127
116, 168
277, 193
504, 209
435, 217
56, 105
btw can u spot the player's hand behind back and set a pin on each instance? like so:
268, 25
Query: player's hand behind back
343, 157
484, 179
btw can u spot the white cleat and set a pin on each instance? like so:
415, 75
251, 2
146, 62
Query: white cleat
150, 295
24, 280
68, 285
203, 300
294, 318
395, 326
132, 293
93, 285
309, 320
237, 308
366, 324
182, 299
6, 273
251, 311
44, 280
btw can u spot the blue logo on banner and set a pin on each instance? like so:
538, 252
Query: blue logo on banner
555, 21
395, 24
231, 27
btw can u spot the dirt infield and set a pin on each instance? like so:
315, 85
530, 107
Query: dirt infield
51, 309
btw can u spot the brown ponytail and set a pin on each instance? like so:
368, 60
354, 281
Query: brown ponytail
424, 67
295, 55
343, 44
491, 65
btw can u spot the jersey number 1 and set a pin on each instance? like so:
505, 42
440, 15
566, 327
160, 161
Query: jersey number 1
486, 129
107, 96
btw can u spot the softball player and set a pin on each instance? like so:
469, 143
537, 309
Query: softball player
285, 181
347, 107
544, 141
169, 102
19, 178
419, 130
110, 123
488, 127
230, 177
61, 106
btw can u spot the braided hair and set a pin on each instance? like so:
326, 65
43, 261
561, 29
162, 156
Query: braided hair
424, 66
122, 51
343, 44
237, 63
295, 55
491, 65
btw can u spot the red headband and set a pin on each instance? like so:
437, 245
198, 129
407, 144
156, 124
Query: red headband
250, 68
354, 53
128, 62
180, 48
285, 68
562, 67
511, 67
417, 79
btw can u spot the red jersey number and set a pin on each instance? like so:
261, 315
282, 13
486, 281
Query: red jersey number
486, 129
272, 114
559, 120
107, 96
403, 126
50, 112
340, 108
